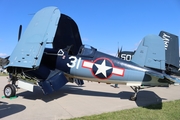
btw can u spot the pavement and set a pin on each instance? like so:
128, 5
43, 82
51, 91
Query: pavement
75, 101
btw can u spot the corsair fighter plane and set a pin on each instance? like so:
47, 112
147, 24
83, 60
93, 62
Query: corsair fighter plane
69, 60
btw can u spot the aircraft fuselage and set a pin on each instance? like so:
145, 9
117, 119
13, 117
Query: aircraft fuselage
93, 65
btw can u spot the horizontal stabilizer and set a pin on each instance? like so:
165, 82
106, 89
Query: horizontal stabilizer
155, 74
150, 53
29, 50
175, 80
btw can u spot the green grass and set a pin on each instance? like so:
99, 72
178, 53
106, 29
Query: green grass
163, 111
3, 74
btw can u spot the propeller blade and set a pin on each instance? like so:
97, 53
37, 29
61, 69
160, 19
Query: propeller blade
119, 52
19, 34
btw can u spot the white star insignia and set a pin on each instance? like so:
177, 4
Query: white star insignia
102, 68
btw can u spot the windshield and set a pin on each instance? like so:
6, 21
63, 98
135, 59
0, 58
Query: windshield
87, 51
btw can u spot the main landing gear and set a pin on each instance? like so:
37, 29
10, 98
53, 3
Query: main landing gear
9, 90
136, 90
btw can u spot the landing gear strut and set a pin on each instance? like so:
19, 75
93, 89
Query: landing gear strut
136, 90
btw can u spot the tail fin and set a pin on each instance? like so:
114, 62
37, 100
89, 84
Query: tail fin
171, 49
150, 53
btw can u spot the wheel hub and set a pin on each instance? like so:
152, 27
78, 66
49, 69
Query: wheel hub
8, 91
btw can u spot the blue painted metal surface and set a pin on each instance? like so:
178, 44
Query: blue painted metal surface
54, 83
150, 53
29, 50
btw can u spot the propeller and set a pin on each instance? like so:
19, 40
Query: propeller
119, 52
19, 33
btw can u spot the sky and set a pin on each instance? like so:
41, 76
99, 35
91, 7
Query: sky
103, 24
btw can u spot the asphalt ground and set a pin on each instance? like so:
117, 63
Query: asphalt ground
75, 101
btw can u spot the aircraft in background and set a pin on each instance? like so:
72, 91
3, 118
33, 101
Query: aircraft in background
171, 44
69, 60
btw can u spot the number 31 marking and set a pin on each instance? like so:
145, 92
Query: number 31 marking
74, 62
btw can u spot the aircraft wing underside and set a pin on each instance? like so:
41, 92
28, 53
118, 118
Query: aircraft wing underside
29, 50
67, 34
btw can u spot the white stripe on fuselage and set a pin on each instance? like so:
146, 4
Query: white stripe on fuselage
116, 71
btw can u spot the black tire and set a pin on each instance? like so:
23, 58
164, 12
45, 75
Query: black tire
9, 91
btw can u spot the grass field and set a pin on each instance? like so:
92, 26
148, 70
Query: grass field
169, 111
3, 74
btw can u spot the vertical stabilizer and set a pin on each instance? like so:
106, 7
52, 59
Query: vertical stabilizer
150, 53
171, 48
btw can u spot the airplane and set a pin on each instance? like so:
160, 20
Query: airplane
69, 60
171, 44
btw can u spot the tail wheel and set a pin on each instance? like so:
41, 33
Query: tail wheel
9, 91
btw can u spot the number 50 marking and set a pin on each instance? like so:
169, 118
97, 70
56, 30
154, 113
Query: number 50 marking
74, 62
126, 57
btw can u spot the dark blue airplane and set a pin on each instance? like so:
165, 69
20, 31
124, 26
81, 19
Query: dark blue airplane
69, 60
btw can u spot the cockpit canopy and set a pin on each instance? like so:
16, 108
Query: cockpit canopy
86, 50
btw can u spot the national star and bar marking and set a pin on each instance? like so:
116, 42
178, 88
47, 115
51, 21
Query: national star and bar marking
101, 67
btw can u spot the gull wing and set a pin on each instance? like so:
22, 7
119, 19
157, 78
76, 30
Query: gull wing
42, 28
